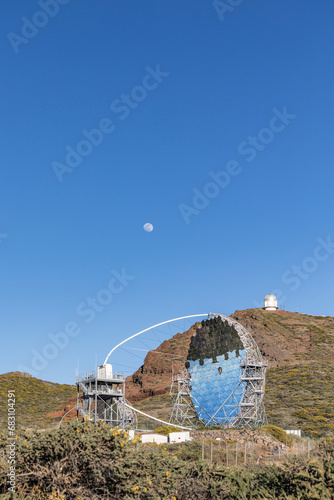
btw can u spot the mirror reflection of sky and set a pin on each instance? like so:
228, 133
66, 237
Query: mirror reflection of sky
213, 383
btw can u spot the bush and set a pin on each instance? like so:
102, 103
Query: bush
166, 429
277, 433
95, 462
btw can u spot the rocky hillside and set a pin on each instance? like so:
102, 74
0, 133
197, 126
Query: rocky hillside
287, 338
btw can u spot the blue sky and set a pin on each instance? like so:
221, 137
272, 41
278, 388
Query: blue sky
169, 95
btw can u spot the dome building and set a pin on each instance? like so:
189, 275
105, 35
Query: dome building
270, 302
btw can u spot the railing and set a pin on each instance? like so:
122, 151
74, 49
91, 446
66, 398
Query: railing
181, 376
246, 361
107, 390
94, 374
85, 376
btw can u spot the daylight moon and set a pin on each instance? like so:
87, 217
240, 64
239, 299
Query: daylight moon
148, 227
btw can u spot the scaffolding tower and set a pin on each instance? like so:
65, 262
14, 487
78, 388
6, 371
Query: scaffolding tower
102, 398
183, 410
251, 410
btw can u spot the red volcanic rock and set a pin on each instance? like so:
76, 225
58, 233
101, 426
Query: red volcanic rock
154, 377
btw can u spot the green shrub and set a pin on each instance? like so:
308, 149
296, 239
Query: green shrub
277, 433
166, 429
95, 462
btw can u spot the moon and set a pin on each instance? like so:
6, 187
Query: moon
148, 227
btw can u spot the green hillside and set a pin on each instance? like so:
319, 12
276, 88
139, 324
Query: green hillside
301, 397
34, 398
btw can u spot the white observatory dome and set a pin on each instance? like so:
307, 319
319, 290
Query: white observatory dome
270, 302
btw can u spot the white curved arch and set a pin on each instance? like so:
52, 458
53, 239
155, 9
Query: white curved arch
158, 419
74, 408
151, 328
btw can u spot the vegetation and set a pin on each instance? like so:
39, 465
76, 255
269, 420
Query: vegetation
301, 397
93, 462
166, 429
34, 398
277, 433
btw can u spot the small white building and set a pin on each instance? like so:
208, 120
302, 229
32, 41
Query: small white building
179, 437
295, 432
154, 438
270, 302
105, 371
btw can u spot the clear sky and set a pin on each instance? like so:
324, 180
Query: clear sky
213, 122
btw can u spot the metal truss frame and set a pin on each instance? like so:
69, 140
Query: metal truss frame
183, 410
104, 400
